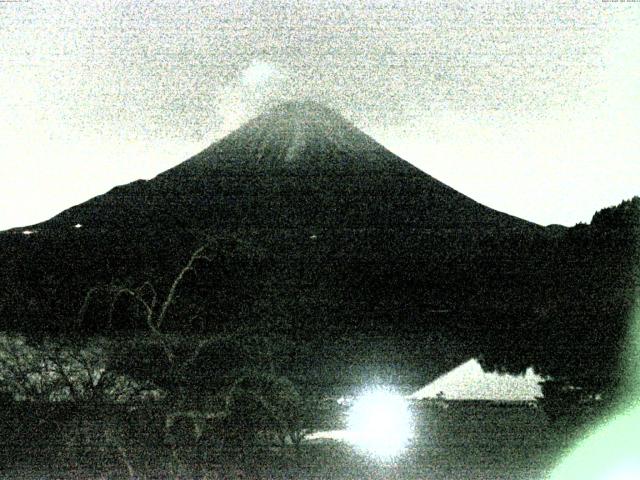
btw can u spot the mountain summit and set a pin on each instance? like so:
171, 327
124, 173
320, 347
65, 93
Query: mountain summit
288, 131
300, 117
301, 135
299, 123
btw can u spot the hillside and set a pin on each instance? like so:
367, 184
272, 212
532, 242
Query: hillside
316, 233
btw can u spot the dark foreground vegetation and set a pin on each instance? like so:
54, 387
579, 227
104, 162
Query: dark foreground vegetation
466, 441
111, 408
236, 401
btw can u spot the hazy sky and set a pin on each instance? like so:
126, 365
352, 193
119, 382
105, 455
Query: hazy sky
532, 108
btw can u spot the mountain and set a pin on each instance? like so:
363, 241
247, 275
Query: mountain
314, 232
298, 165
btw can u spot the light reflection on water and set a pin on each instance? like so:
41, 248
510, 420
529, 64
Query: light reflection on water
379, 424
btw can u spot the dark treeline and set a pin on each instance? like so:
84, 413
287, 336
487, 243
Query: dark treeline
350, 259
560, 302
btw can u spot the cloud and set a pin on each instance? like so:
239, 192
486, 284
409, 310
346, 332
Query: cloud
258, 86
259, 73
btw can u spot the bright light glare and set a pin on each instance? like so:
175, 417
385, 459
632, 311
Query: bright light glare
380, 423
625, 472
610, 453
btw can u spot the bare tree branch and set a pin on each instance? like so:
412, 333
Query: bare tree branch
154, 294
136, 296
94, 384
154, 319
197, 255
16, 368
111, 437
149, 313
85, 304
55, 359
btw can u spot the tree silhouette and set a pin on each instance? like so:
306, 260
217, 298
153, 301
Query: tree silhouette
154, 311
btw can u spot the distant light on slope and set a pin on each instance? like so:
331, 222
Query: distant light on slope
28, 232
380, 423
78, 225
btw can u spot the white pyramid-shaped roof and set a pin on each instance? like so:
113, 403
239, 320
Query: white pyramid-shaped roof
469, 382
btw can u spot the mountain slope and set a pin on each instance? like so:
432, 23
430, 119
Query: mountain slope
300, 183
315, 232
301, 163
